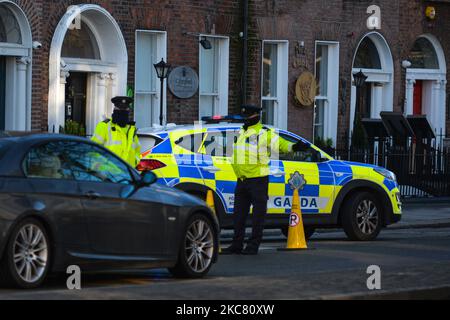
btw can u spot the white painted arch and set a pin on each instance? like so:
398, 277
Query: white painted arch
383, 91
108, 76
434, 91
18, 73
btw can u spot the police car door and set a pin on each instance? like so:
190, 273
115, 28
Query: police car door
317, 193
218, 172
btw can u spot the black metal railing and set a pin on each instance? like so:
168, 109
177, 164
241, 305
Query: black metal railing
423, 170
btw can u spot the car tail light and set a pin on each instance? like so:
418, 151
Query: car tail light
150, 165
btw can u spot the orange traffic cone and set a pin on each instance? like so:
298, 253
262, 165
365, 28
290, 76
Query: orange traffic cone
296, 234
210, 203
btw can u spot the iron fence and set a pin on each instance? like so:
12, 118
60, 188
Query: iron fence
422, 169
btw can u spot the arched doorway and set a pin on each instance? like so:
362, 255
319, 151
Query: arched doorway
373, 57
15, 68
426, 82
88, 66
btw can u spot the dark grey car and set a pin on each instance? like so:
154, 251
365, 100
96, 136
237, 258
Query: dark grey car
66, 201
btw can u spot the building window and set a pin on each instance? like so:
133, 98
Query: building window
275, 61
327, 76
9, 27
81, 44
423, 55
214, 65
150, 49
367, 56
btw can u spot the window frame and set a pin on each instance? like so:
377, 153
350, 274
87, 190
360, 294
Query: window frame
155, 95
133, 174
223, 77
331, 100
281, 100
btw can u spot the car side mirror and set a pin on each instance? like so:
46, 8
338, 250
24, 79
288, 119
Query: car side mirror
148, 178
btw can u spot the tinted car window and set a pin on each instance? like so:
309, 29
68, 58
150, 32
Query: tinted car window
93, 164
75, 160
47, 161
3, 148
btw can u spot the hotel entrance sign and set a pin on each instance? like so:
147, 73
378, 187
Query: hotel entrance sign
183, 82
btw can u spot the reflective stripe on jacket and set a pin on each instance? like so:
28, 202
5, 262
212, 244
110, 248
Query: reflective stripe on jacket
253, 150
124, 142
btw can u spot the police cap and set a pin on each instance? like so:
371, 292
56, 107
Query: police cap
250, 110
122, 102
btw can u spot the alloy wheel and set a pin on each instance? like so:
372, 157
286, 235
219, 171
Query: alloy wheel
367, 217
199, 246
30, 253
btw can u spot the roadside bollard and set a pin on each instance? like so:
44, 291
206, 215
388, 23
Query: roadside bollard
296, 234
210, 203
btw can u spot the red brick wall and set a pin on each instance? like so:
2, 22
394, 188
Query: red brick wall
175, 17
294, 20
343, 21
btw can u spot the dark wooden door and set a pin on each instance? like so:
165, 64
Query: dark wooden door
418, 94
76, 90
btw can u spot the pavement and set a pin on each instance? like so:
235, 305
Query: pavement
414, 259
425, 213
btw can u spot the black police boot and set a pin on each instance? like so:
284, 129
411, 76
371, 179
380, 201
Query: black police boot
250, 250
233, 249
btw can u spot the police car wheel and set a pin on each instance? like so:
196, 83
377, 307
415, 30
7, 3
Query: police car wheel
26, 260
362, 217
309, 231
197, 249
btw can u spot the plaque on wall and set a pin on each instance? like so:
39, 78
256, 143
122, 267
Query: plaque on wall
183, 82
305, 89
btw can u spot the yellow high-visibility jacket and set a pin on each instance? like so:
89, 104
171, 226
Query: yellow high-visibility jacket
124, 142
254, 149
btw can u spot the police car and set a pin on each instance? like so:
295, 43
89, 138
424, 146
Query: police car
360, 198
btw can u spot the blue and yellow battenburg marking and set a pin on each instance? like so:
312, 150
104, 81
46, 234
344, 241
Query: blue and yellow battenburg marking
324, 181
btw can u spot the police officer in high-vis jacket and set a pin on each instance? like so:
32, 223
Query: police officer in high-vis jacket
119, 134
253, 150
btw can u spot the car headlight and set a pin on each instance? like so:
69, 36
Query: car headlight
386, 173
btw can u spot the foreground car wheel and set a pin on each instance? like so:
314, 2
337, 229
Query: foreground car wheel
27, 256
309, 232
197, 250
362, 217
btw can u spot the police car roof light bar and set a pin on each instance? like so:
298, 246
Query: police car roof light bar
219, 119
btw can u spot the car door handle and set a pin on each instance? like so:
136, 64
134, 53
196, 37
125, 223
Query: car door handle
92, 195
211, 169
278, 173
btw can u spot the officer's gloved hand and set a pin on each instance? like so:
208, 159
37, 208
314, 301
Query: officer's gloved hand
300, 146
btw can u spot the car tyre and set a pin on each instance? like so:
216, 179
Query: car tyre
362, 217
309, 231
197, 248
26, 260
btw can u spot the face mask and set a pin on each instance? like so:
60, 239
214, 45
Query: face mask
251, 122
121, 117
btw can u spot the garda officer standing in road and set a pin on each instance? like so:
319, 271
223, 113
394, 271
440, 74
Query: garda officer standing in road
118, 134
252, 153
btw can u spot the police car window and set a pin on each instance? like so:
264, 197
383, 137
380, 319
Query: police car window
92, 164
308, 155
191, 142
149, 142
220, 144
47, 162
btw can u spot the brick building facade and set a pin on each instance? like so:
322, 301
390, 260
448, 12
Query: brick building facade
288, 33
